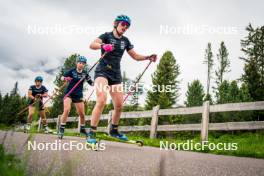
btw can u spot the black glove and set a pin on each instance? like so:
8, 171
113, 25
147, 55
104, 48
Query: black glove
89, 80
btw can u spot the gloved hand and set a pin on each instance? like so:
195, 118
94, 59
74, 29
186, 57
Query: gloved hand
37, 96
89, 80
152, 57
108, 47
68, 79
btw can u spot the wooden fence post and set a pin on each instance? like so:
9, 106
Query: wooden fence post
109, 121
154, 122
205, 121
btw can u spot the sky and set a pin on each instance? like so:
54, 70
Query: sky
37, 36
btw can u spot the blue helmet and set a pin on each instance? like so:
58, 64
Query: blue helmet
81, 59
39, 78
123, 18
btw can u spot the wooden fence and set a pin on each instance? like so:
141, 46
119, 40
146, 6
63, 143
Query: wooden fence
155, 114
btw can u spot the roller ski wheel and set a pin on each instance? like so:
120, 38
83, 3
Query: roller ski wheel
140, 143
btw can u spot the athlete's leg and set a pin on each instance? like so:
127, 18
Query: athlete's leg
43, 117
66, 109
44, 121
100, 84
80, 110
116, 93
117, 97
31, 110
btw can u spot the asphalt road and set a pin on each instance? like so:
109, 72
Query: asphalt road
120, 159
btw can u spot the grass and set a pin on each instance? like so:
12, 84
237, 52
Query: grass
249, 144
10, 165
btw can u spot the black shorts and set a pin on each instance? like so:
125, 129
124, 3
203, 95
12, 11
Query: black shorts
110, 78
76, 99
40, 103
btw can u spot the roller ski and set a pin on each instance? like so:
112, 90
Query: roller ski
124, 139
114, 134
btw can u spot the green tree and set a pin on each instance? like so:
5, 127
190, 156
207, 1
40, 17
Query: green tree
222, 92
233, 93
229, 92
194, 97
166, 75
244, 94
165, 87
194, 94
15, 90
253, 48
208, 60
10, 104
224, 63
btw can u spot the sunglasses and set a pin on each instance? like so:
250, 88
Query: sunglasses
83, 63
124, 23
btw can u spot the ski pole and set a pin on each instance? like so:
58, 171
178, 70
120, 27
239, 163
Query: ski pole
90, 95
52, 96
24, 109
134, 86
72, 89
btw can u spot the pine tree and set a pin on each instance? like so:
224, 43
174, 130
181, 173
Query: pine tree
166, 75
14, 90
209, 62
233, 93
224, 63
222, 92
253, 48
194, 94
244, 94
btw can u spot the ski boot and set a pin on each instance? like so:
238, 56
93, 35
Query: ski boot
91, 140
47, 130
27, 127
61, 131
115, 134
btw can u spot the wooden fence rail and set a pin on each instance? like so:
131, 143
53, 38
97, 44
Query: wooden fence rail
155, 114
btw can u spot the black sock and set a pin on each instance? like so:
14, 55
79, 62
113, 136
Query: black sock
62, 125
82, 126
113, 128
94, 128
